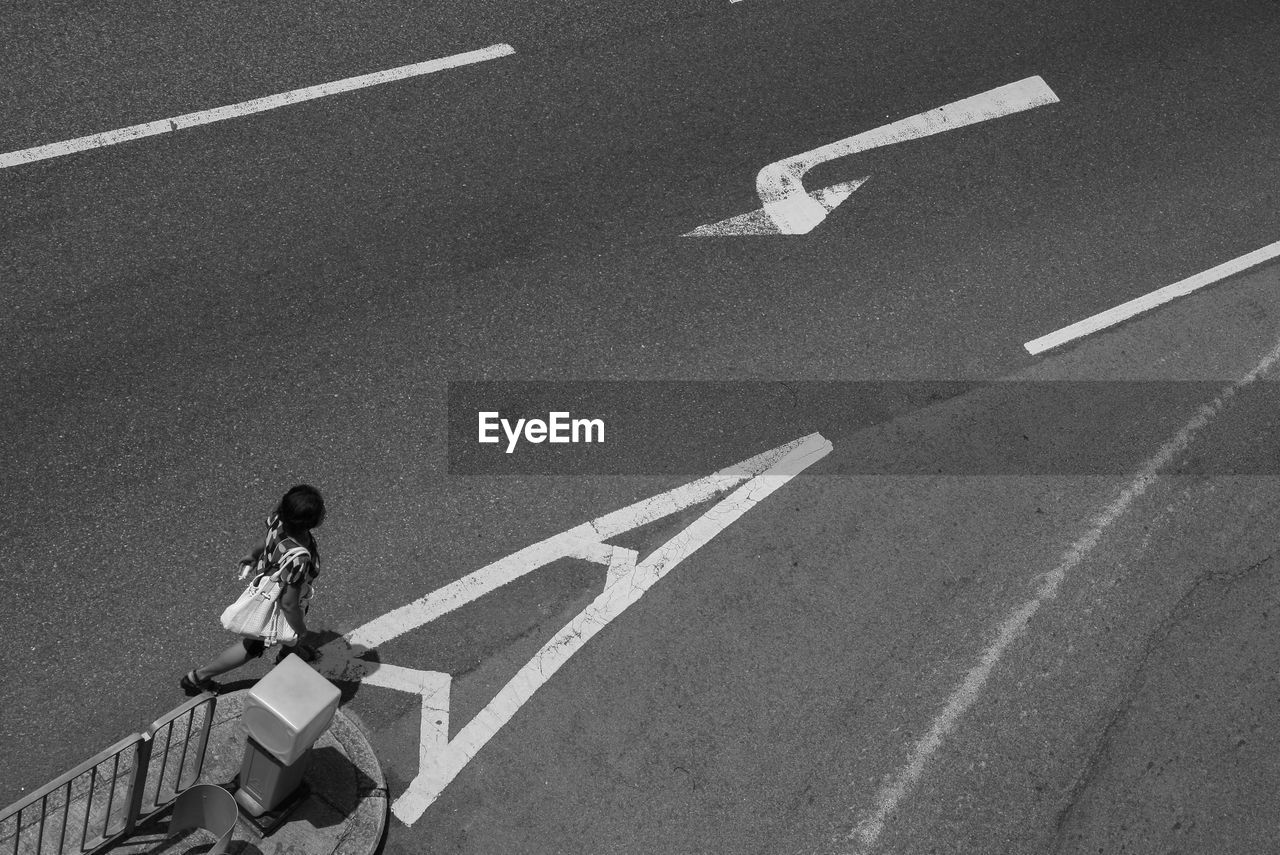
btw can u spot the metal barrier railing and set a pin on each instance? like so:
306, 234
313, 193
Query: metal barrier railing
169, 779
113, 792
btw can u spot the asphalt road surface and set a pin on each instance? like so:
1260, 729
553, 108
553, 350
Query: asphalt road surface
948, 654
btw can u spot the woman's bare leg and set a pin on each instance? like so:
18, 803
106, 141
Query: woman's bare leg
233, 657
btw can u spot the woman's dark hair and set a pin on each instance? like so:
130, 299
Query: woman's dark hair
301, 507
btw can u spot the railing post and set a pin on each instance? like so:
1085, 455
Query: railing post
138, 781
203, 744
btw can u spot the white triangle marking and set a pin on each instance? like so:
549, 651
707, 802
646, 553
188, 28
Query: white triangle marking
441, 758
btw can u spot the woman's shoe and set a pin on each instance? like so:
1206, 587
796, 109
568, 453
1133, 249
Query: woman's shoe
192, 685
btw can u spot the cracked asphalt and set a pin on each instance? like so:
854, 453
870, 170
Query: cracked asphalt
1188, 761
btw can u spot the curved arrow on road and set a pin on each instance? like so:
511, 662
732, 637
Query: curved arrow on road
789, 209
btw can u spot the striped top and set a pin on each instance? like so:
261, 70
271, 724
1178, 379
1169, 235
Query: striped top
302, 567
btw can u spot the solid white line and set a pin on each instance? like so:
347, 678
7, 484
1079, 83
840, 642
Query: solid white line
1124, 311
245, 108
867, 832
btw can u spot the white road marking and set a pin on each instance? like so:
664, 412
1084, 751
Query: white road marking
441, 759
867, 832
245, 108
1146, 302
789, 209
584, 541
758, 222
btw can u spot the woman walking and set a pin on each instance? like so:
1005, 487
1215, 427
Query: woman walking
289, 548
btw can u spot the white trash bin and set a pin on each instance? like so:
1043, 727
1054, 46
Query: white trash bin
285, 713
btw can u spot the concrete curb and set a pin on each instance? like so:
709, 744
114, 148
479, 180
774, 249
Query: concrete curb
369, 822
345, 814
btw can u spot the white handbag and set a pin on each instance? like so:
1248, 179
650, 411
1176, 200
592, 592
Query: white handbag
256, 612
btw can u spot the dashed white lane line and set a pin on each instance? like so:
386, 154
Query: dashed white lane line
1146, 302
245, 108
866, 833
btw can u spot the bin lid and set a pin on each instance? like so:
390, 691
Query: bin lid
291, 697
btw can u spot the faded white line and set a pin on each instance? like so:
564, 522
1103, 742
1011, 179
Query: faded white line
789, 209
867, 832
1160, 296
245, 108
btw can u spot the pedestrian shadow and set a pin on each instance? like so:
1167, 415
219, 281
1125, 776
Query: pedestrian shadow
334, 653
344, 663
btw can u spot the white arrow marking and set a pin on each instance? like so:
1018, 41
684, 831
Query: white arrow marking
441, 759
245, 108
791, 210
758, 222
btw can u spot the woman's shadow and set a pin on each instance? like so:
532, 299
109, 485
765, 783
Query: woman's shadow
337, 661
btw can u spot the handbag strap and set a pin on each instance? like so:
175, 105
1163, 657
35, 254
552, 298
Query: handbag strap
289, 556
